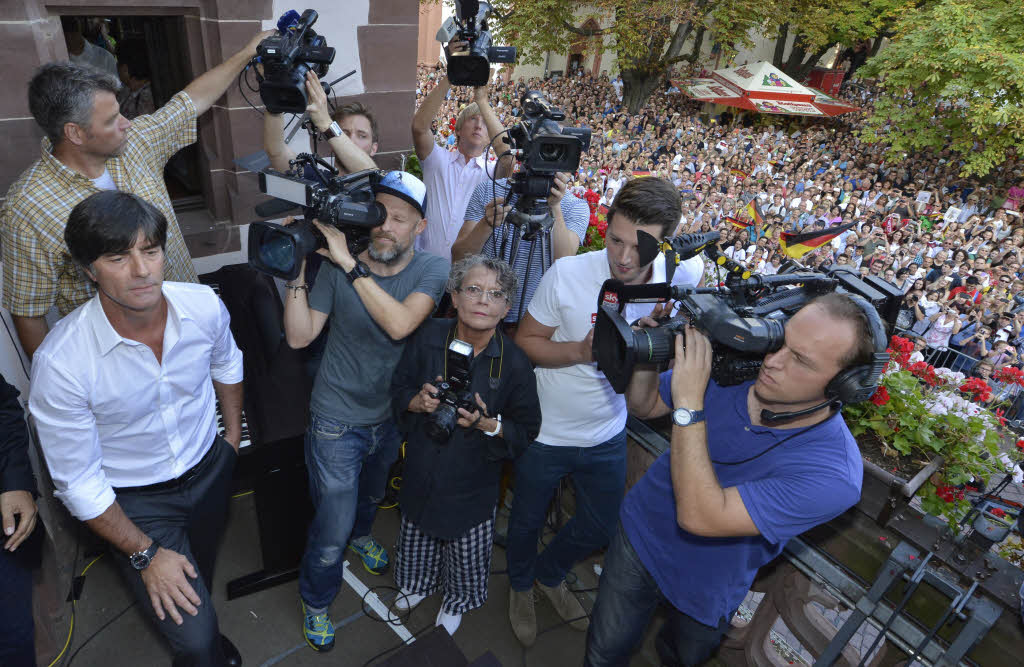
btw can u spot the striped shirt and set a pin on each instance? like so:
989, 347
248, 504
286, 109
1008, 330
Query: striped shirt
38, 271
577, 217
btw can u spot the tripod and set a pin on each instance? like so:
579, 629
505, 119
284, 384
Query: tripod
534, 226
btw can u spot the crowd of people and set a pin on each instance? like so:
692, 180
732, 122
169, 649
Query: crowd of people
953, 244
444, 331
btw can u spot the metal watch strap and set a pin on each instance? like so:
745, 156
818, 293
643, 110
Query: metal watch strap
333, 130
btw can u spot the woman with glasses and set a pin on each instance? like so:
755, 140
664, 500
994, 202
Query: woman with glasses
457, 439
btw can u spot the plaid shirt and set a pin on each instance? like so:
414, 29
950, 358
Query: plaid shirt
38, 270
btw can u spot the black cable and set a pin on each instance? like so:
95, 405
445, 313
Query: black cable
101, 629
398, 618
241, 75
17, 351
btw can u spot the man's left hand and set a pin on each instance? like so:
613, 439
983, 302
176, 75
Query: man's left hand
17, 503
234, 438
337, 246
473, 419
480, 92
558, 188
692, 369
317, 107
250, 48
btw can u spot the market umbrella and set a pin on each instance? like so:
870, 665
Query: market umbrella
764, 88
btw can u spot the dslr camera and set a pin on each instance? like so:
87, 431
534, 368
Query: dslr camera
542, 147
286, 57
745, 319
345, 202
453, 392
470, 25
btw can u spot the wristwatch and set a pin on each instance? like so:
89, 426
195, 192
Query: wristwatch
360, 270
497, 427
333, 130
140, 560
684, 417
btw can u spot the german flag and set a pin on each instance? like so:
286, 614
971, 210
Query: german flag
753, 211
798, 244
640, 173
739, 174
737, 223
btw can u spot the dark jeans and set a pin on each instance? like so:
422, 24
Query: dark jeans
188, 519
626, 599
17, 644
599, 478
348, 469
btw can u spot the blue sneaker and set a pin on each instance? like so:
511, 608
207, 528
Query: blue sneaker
317, 629
373, 555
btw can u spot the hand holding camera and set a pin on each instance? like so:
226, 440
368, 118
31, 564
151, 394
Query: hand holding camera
337, 246
426, 401
469, 419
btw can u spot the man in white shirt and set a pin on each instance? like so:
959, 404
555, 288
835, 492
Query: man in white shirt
451, 176
583, 428
83, 52
123, 395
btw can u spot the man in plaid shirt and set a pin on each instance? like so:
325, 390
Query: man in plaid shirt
89, 146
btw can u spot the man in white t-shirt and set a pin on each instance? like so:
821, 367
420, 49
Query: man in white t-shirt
583, 428
451, 176
82, 52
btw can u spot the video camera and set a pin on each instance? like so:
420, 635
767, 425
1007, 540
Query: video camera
470, 25
541, 147
345, 202
745, 319
453, 392
287, 57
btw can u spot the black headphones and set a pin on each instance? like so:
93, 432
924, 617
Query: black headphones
858, 383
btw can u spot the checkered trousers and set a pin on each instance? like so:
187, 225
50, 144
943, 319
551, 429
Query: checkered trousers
459, 567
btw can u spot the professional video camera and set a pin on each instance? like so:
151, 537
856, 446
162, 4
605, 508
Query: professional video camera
345, 202
745, 319
287, 57
470, 25
453, 392
541, 147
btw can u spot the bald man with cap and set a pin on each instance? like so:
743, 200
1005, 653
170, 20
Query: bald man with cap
374, 301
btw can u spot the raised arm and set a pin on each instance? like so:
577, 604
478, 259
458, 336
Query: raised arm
208, 88
494, 130
422, 137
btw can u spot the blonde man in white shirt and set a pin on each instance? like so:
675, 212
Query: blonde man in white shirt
123, 395
451, 176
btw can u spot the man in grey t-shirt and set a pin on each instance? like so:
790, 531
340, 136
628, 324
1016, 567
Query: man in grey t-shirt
374, 302
486, 231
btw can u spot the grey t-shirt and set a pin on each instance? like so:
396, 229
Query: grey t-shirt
353, 385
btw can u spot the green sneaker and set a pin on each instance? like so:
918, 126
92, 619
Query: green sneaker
373, 555
317, 629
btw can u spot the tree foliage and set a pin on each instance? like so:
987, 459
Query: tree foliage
954, 74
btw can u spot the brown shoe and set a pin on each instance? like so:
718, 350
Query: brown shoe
567, 606
522, 617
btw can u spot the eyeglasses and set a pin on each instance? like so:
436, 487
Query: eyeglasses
477, 292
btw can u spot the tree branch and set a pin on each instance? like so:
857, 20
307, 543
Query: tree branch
586, 33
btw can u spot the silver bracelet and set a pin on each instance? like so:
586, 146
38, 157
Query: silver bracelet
297, 288
497, 428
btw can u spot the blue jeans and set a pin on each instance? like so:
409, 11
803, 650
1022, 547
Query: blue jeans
348, 469
626, 599
599, 478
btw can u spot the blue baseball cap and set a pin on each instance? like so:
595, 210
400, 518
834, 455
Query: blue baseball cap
405, 186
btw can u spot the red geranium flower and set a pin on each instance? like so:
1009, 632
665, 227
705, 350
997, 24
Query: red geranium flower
995, 511
1009, 375
978, 389
881, 396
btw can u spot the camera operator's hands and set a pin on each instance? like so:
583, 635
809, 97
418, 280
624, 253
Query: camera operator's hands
560, 184
425, 401
651, 321
585, 352
250, 47
474, 419
692, 369
480, 92
317, 107
337, 246
495, 212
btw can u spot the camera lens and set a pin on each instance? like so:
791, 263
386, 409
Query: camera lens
550, 152
441, 423
278, 253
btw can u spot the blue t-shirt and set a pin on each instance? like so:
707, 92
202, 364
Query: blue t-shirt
802, 483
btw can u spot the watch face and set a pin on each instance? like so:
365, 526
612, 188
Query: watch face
140, 561
682, 416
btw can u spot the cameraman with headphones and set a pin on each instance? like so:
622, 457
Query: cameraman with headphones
751, 466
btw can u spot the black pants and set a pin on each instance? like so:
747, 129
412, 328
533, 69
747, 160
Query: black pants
626, 599
17, 641
189, 519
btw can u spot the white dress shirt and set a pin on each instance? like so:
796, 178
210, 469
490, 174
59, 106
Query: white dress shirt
109, 415
450, 180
